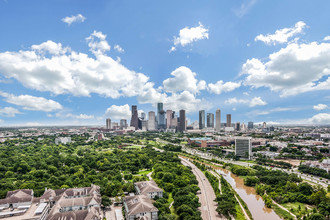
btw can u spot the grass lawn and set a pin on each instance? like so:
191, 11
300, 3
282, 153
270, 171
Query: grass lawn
143, 172
183, 142
294, 207
282, 213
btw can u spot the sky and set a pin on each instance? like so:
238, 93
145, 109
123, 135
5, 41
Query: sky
79, 62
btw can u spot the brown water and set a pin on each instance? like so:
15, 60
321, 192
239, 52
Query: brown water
254, 202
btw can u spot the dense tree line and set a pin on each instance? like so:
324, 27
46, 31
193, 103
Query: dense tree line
314, 171
269, 162
179, 181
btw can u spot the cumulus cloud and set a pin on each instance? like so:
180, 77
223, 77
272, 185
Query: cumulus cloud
320, 107
266, 112
63, 71
74, 18
184, 79
9, 112
295, 69
283, 35
189, 35
326, 38
117, 112
220, 87
118, 48
252, 102
321, 118
97, 43
32, 103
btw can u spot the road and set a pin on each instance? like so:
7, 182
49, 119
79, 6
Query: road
207, 196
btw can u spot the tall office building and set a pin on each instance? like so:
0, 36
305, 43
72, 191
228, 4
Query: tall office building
264, 125
135, 118
218, 120
182, 124
243, 147
123, 124
238, 126
151, 121
168, 118
250, 125
228, 120
174, 121
108, 123
143, 115
201, 119
160, 116
210, 120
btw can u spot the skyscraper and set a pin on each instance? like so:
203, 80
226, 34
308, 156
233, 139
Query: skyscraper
143, 115
243, 147
108, 123
250, 125
218, 120
210, 120
228, 120
174, 121
182, 125
123, 124
201, 119
160, 116
151, 121
238, 126
168, 118
134, 118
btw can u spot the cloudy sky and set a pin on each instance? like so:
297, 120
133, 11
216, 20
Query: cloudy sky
78, 62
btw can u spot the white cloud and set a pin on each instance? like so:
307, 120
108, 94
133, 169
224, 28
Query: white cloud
64, 71
189, 35
32, 103
220, 87
1, 121
184, 79
253, 102
321, 118
74, 18
81, 116
326, 38
266, 112
118, 48
292, 70
244, 8
117, 112
9, 112
97, 43
282, 35
320, 107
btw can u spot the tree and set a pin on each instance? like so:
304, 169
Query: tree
106, 201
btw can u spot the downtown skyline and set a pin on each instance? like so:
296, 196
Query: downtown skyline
91, 61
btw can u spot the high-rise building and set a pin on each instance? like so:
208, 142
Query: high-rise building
228, 120
243, 147
108, 123
143, 115
168, 118
135, 118
160, 116
182, 124
218, 120
264, 125
250, 125
201, 119
210, 120
151, 121
174, 121
123, 124
238, 126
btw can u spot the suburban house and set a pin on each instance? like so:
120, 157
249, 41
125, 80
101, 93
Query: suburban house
140, 207
148, 188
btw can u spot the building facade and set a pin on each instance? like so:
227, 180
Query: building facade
243, 147
182, 124
151, 121
210, 120
218, 120
201, 119
135, 118
228, 124
108, 123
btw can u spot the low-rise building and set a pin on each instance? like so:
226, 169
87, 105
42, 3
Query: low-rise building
148, 188
140, 207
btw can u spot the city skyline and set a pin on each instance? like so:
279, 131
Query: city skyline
90, 61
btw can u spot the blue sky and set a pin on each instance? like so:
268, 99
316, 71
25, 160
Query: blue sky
79, 62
